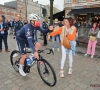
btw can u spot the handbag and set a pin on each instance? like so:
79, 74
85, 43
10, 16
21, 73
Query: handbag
66, 41
92, 38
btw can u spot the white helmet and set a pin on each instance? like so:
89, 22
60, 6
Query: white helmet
37, 16
33, 17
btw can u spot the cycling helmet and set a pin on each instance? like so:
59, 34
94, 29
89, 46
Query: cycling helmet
32, 17
37, 16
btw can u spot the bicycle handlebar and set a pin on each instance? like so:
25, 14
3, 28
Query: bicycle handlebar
42, 51
50, 51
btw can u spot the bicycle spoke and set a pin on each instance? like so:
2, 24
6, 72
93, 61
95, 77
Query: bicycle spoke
46, 73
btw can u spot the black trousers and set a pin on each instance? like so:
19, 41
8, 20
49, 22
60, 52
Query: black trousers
4, 38
45, 39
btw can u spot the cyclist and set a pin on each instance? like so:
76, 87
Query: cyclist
24, 35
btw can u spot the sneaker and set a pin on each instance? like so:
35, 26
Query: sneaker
85, 54
22, 72
28, 49
53, 49
15, 55
70, 71
92, 56
62, 74
58, 49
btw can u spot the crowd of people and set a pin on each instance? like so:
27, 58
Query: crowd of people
26, 35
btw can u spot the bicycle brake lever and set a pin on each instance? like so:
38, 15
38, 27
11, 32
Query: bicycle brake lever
40, 51
51, 51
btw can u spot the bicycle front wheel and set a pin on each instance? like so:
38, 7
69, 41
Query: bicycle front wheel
46, 72
14, 58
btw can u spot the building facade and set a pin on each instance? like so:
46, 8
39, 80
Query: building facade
24, 8
42, 10
79, 4
8, 12
83, 10
20, 7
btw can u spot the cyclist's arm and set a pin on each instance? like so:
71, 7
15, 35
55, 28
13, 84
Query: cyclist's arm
29, 39
42, 30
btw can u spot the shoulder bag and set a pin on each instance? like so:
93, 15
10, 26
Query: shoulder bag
66, 41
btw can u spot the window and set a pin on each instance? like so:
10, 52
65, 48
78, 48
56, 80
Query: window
81, 0
68, 1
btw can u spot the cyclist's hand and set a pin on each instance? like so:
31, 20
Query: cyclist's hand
36, 55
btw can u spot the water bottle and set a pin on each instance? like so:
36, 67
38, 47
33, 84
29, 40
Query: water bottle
28, 61
31, 57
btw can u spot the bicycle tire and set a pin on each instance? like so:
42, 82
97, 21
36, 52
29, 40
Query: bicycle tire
12, 61
53, 73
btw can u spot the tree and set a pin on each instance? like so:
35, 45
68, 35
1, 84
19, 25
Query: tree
51, 12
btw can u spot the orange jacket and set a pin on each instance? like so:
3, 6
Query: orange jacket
70, 36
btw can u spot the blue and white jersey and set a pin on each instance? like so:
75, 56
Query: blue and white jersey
26, 33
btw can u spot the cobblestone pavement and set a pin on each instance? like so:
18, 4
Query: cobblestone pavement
86, 72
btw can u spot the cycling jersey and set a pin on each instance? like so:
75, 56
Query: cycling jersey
25, 34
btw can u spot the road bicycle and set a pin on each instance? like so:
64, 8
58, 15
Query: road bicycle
45, 69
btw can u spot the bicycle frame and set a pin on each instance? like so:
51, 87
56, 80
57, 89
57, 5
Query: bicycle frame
40, 57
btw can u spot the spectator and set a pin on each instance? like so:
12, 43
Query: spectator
17, 26
92, 40
11, 26
25, 22
61, 23
57, 37
45, 27
70, 31
3, 34
75, 24
7, 22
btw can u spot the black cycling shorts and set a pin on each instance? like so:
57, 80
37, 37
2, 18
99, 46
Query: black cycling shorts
22, 46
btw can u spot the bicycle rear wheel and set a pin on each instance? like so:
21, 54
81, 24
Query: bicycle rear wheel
46, 72
15, 60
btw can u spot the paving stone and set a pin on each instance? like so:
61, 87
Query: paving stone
83, 86
78, 88
4, 88
72, 86
1, 85
72, 81
8, 82
11, 85
85, 72
15, 88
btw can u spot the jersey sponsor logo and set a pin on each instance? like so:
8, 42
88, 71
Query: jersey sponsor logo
29, 34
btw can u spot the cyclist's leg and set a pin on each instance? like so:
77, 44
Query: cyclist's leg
23, 57
37, 45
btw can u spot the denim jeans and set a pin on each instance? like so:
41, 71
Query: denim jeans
57, 41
